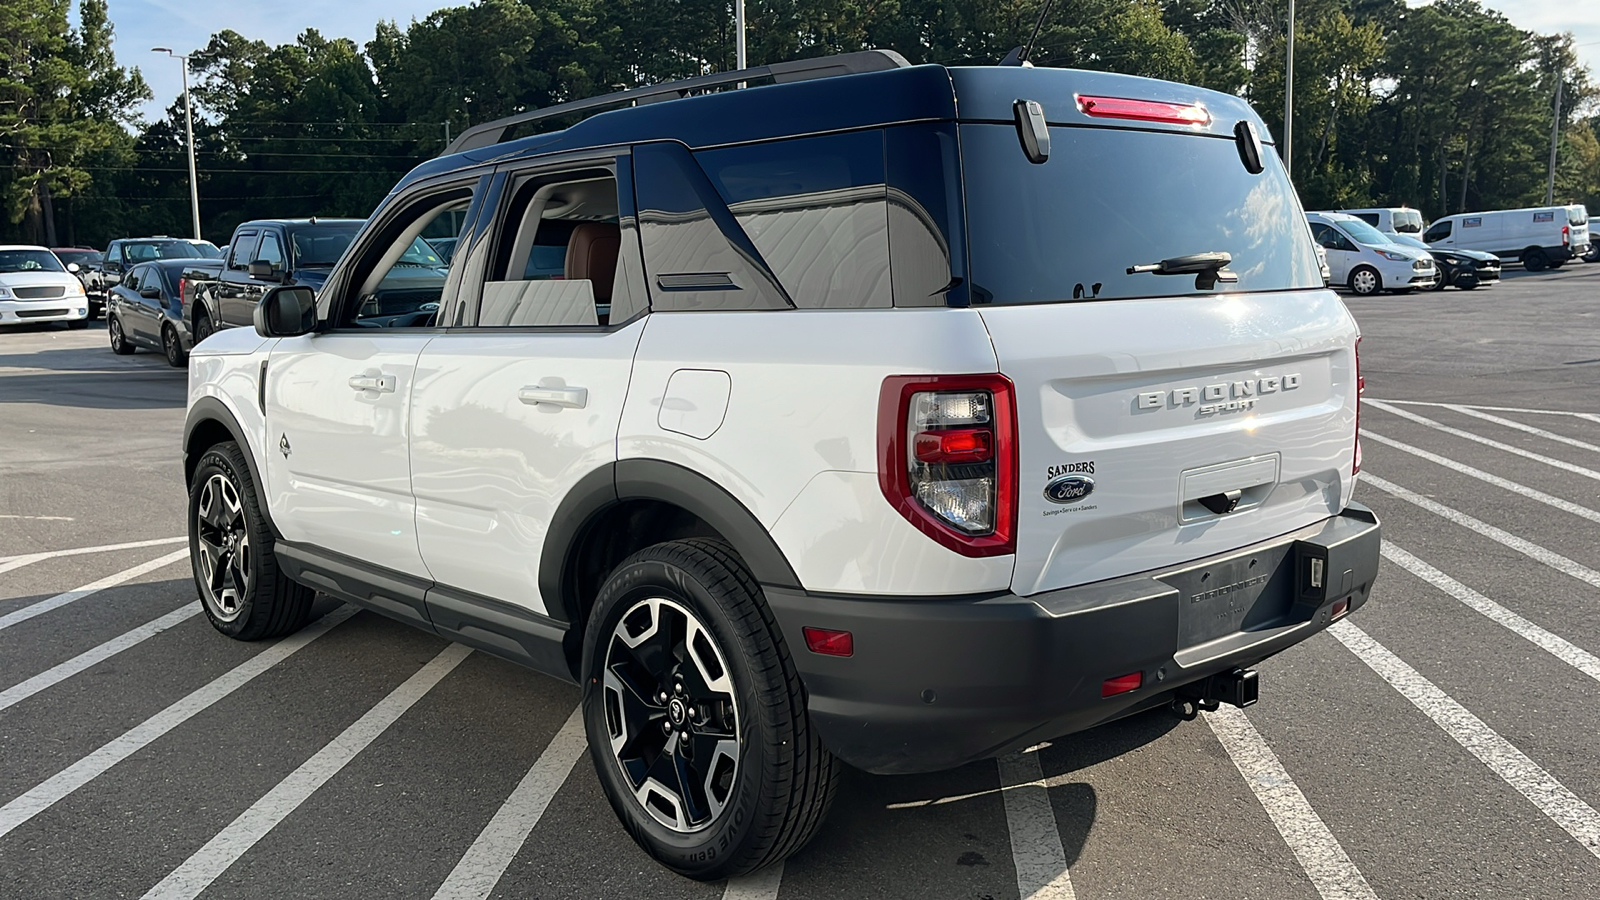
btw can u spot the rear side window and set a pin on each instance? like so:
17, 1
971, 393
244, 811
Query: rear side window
817, 210
1370, 218
1109, 199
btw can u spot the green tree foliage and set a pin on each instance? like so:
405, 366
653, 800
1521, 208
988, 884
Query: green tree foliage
1445, 107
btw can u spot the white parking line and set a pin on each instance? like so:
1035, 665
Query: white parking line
1487, 442
1519, 426
1487, 477
481, 867
1035, 840
1321, 855
57, 674
7, 563
60, 600
1527, 548
63, 783
1561, 805
1592, 417
759, 885
1556, 646
206, 864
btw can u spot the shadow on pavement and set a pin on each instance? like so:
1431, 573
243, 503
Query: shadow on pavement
153, 388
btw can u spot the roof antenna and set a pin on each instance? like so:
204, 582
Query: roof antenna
1019, 55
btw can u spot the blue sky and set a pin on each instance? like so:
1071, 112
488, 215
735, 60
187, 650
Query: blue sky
186, 25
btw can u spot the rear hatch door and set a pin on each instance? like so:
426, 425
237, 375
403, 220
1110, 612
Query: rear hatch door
1161, 417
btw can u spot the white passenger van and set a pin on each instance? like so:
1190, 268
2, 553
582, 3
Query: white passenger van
1390, 220
1540, 237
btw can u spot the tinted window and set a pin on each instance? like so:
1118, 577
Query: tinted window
1577, 215
84, 258
1109, 199
1369, 218
1407, 221
1438, 232
271, 250
243, 250
817, 210
321, 245
696, 255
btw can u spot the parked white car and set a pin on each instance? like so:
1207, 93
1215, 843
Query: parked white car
1541, 237
36, 287
1390, 220
1365, 260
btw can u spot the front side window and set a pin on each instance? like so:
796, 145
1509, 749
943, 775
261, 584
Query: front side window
1438, 232
1111, 199
396, 285
131, 281
817, 210
271, 251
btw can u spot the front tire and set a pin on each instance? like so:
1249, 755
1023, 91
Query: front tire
236, 573
1365, 281
696, 717
120, 345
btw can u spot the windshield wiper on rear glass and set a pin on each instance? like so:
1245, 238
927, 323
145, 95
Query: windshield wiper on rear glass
1207, 268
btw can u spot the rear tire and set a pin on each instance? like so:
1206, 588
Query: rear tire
172, 347
1365, 281
759, 781
1535, 260
241, 589
202, 327
120, 345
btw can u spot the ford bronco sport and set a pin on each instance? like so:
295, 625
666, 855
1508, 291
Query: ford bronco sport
835, 410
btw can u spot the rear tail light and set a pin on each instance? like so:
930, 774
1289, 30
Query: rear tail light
183, 285
1361, 388
1122, 684
947, 458
1566, 235
1144, 110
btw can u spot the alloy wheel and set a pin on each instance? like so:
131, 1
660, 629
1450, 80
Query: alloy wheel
227, 560
117, 337
671, 714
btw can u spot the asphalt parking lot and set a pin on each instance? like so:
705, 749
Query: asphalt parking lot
1439, 743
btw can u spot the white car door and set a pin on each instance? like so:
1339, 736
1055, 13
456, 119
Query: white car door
524, 398
338, 401
1341, 252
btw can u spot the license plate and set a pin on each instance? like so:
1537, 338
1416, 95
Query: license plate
1245, 593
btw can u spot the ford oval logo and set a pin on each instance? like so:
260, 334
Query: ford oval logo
1068, 488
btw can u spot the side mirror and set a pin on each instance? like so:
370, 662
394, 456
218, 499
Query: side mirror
114, 268
73, 268
150, 293
261, 269
287, 311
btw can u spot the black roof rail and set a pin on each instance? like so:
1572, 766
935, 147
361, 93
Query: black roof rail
491, 133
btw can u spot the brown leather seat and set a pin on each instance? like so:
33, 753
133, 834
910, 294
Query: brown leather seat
592, 254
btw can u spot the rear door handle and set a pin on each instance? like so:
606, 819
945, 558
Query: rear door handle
381, 383
565, 397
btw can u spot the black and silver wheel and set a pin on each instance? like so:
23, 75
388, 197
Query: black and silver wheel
172, 347
1441, 281
1535, 260
230, 548
696, 717
1365, 281
120, 345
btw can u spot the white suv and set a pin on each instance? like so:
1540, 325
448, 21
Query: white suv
811, 421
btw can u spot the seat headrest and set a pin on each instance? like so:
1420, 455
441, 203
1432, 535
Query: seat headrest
592, 254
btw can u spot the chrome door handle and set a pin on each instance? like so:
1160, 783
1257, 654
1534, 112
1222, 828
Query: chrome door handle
382, 383
565, 397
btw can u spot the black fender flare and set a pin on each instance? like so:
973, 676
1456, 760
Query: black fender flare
653, 479
208, 410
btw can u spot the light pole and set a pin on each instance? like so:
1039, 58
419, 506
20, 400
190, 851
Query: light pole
188, 116
1288, 100
738, 40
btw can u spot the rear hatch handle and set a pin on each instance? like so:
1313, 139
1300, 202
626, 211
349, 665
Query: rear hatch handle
1207, 268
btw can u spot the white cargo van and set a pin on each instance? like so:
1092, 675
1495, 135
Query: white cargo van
1540, 237
1390, 220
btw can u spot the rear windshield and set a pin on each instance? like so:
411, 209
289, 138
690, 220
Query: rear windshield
321, 245
1407, 221
144, 251
1577, 215
1109, 199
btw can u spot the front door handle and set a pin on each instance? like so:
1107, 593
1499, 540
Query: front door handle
381, 383
565, 397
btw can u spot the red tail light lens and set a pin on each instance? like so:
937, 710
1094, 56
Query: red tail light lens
183, 285
1361, 388
1566, 234
1122, 684
828, 642
1144, 110
947, 458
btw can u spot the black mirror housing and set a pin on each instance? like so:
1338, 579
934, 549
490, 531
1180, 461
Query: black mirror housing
261, 269
287, 311
150, 293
